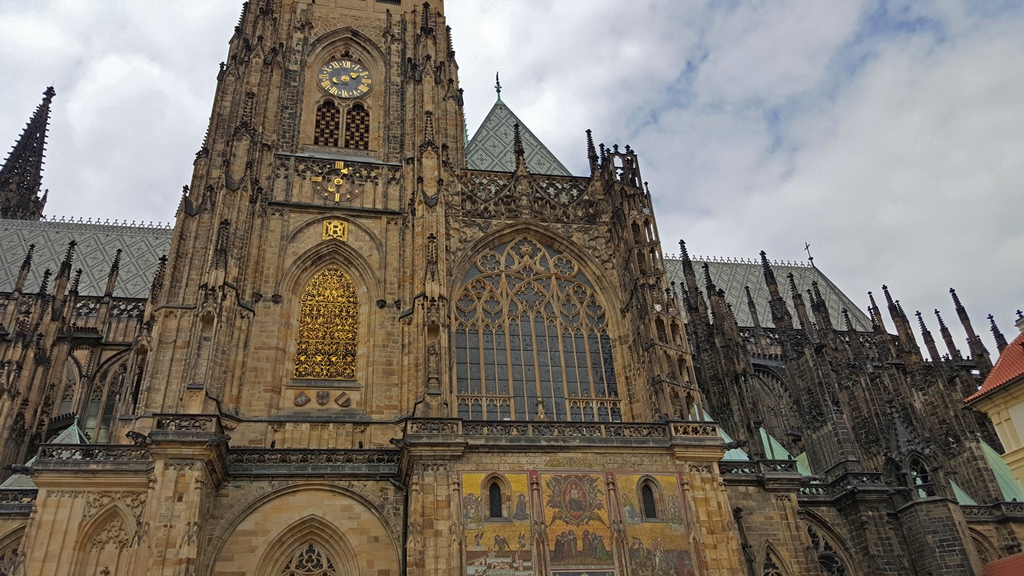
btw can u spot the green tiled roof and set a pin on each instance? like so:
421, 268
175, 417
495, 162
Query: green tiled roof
492, 147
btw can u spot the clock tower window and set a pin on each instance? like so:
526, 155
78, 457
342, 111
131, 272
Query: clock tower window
328, 124
357, 128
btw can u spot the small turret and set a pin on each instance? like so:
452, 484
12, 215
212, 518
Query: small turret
592, 154
753, 309
954, 353
929, 341
26, 267
115, 269
781, 317
520, 152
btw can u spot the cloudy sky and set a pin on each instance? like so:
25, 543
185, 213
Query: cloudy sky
887, 134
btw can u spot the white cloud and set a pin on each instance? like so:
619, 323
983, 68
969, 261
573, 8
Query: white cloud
891, 139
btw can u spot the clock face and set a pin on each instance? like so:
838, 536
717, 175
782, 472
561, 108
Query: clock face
345, 79
338, 183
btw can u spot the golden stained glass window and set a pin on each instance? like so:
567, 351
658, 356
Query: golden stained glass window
328, 325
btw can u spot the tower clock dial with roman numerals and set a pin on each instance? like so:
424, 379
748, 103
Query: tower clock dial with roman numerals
345, 79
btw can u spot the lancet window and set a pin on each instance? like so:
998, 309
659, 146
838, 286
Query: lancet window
648, 501
102, 403
531, 339
328, 326
328, 124
357, 128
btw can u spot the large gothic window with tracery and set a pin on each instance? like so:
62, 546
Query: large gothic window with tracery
531, 339
328, 325
309, 560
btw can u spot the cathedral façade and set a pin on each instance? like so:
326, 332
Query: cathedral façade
371, 347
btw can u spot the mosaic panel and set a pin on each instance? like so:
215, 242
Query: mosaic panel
497, 546
657, 546
576, 514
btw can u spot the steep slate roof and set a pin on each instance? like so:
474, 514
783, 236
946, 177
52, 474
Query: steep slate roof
97, 244
491, 148
1008, 368
733, 276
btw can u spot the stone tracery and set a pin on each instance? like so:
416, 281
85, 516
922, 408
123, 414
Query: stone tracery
531, 339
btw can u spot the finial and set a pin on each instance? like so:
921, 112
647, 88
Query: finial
956, 299
497, 87
807, 248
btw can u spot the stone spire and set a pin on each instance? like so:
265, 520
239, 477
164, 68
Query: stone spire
978, 352
997, 334
21, 176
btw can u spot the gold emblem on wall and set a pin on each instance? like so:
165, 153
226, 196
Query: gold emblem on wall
335, 230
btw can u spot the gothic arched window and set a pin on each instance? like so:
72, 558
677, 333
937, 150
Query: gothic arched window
70, 383
357, 128
328, 124
531, 339
648, 501
102, 403
309, 560
828, 556
494, 500
921, 478
328, 325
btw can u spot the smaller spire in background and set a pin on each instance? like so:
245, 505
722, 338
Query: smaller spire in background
997, 334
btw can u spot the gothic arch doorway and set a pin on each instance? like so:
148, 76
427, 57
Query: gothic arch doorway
307, 530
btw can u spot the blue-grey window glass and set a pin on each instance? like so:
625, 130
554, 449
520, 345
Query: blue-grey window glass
531, 339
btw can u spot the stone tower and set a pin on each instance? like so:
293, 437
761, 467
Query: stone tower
350, 319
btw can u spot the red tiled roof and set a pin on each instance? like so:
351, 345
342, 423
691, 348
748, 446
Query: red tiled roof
1011, 566
1008, 368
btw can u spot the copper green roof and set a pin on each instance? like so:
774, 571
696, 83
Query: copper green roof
1008, 485
491, 148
